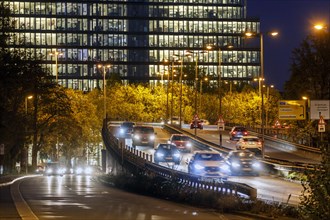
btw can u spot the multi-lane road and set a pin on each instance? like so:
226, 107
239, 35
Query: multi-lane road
269, 187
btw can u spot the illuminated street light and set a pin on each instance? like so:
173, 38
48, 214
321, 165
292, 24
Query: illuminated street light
320, 27
104, 88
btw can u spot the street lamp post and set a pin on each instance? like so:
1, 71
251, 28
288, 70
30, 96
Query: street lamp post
26, 131
267, 109
262, 76
180, 113
172, 84
104, 89
201, 92
56, 54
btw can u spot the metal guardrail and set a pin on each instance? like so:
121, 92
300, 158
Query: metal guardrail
137, 161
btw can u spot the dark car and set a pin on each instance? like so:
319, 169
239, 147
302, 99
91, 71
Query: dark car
125, 129
196, 124
143, 136
237, 132
167, 153
243, 162
181, 141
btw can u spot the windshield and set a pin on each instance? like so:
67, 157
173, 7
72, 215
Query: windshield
145, 130
180, 138
208, 157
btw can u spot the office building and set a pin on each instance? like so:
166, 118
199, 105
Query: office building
135, 37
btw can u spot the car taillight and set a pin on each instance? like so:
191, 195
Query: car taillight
245, 133
234, 132
259, 143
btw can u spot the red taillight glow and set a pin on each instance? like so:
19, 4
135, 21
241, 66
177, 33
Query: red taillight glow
245, 133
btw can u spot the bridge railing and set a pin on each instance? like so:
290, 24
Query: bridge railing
137, 161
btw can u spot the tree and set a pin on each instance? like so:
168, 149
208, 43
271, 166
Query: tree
310, 69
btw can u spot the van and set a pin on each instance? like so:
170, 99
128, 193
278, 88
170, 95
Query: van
143, 136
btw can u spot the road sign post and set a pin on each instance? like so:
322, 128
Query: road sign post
221, 127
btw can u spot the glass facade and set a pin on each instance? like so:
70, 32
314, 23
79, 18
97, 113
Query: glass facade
135, 37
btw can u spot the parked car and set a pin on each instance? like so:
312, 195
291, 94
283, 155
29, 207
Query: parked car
143, 136
196, 124
237, 132
54, 168
208, 164
125, 129
167, 153
181, 141
243, 162
251, 143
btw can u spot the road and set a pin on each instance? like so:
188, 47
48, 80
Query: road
269, 187
82, 197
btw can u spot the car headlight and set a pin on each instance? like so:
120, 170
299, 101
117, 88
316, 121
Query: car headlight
198, 167
79, 170
121, 131
159, 154
176, 155
152, 137
88, 170
256, 165
189, 144
225, 168
49, 170
137, 137
235, 164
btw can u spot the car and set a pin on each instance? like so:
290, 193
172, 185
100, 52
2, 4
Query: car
209, 164
167, 153
196, 124
143, 136
175, 120
40, 169
181, 141
205, 122
237, 132
54, 168
251, 143
125, 129
243, 162
83, 170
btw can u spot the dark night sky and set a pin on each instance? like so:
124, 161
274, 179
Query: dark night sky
294, 20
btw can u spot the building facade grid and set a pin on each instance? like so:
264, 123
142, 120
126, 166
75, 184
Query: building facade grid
135, 37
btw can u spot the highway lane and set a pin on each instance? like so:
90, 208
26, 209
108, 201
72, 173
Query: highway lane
290, 153
82, 197
270, 188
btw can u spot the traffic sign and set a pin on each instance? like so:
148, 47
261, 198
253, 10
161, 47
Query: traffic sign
221, 124
292, 109
320, 107
321, 121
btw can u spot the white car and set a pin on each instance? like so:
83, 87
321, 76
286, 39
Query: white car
209, 164
251, 143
